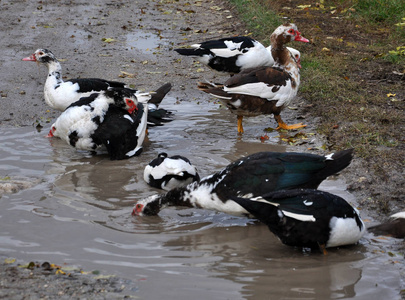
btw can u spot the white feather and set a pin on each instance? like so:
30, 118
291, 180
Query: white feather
399, 215
344, 231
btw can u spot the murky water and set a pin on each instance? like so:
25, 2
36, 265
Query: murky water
78, 210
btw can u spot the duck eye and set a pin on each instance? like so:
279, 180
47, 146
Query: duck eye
130, 103
291, 31
41, 53
53, 128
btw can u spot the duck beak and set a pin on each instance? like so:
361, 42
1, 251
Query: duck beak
30, 58
50, 134
132, 109
300, 38
137, 211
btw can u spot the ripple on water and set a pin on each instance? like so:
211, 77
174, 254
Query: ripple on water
79, 210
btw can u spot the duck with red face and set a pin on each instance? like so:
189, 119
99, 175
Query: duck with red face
263, 90
115, 119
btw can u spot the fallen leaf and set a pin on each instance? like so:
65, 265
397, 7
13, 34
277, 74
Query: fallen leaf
264, 138
304, 6
9, 260
126, 75
350, 44
59, 271
215, 7
108, 40
391, 95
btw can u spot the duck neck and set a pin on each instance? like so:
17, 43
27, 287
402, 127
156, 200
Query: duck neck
175, 197
279, 51
54, 72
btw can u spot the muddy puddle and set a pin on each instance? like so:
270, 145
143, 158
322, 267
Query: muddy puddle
76, 208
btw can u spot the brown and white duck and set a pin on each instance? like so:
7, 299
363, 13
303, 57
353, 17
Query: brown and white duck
264, 90
394, 227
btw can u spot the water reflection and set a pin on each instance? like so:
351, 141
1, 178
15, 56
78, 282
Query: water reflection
78, 210
256, 259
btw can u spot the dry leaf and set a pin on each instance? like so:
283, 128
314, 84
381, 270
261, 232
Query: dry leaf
9, 260
108, 40
126, 75
303, 6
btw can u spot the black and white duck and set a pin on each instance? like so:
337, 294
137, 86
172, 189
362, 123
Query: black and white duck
250, 176
115, 118
307, 218
167, 172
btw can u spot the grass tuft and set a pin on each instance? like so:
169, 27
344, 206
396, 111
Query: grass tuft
257, 17
381, 11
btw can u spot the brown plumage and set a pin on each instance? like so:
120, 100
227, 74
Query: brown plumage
263, 90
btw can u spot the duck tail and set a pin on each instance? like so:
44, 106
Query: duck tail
214, 89
336, 162
160, 93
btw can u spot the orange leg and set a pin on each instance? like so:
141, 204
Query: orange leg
322, 247
240, 127
282, 125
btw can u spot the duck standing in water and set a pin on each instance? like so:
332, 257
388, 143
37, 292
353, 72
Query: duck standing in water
307, 218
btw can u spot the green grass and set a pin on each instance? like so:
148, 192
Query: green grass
380, 11
257, 17
346, 79
375, 13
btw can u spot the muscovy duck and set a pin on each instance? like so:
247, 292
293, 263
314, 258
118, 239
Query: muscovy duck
115, 118
306, 217
250, 176
263, 90
60, 94
233, 54
166, 172
394, 227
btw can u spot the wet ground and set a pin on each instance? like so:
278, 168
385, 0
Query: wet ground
72, 208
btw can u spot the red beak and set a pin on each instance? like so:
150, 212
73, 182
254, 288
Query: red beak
300, 38
50, 134
30, 58
137, 210
132, 109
